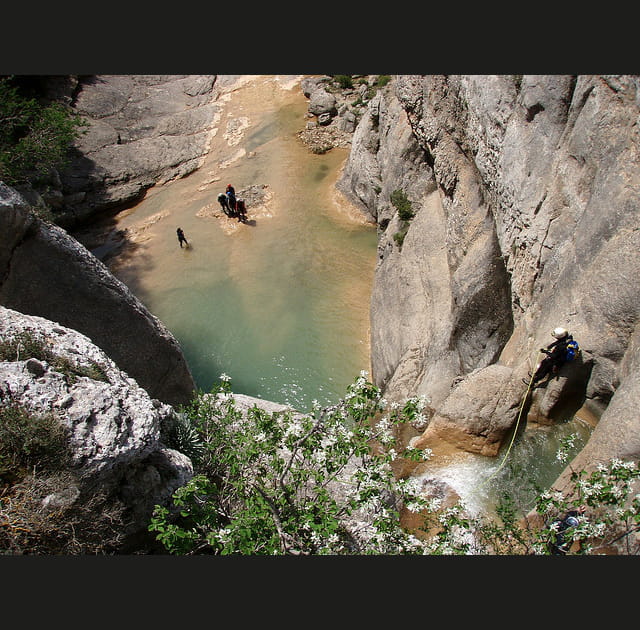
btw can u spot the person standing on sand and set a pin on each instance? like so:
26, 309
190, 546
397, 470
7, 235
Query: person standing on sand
231, 195
224, 202
181, 237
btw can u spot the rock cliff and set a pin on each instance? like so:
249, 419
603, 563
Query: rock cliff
142, 130
525, 195
113, 425
46, 272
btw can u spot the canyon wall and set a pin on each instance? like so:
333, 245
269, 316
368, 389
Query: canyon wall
46, 272
525, 195
141, 130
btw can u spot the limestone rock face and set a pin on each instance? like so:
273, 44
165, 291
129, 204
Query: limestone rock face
476, 415
45, 272
142, 130
440, 306
114, 426
526, 192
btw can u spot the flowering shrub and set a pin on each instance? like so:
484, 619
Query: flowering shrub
322, 483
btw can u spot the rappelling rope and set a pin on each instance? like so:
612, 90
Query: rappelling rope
513, 437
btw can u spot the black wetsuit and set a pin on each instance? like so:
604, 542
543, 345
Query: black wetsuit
559, 546
556, 355
223, 201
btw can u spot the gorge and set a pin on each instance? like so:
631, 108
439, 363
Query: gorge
524, 192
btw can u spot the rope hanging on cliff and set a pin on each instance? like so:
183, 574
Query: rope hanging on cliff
513, 437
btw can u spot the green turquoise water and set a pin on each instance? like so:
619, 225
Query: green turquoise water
530, 467
280, 304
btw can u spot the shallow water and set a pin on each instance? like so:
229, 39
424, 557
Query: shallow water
280, 304
522, 472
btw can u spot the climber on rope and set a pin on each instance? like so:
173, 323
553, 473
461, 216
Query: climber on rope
563, 349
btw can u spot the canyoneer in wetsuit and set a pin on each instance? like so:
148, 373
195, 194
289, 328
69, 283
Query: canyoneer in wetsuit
563, 349
224, 202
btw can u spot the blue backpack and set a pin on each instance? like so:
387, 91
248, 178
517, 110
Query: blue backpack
572, 350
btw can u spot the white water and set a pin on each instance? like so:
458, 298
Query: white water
528, 468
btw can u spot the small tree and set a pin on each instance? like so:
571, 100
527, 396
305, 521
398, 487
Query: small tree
285, 483
322, 483
34, 138
402, 204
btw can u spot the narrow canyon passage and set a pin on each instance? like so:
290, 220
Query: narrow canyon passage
279, 304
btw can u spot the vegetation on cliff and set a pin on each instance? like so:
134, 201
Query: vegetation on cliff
323, 484
34, 137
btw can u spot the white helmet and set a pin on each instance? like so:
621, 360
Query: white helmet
559, 333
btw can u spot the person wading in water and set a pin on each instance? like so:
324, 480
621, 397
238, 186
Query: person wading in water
224, 203
181, 237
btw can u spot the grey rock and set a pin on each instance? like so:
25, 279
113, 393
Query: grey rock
113, 424
46, 272
142, 130
322, 102
525, 191
478, 413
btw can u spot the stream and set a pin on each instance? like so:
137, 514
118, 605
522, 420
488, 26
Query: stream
280, 304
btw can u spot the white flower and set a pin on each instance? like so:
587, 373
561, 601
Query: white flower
420, 421
225, 377
411, 486
434, 504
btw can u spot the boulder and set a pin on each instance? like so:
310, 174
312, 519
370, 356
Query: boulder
46, 272
114, 426
477, 415
322, 102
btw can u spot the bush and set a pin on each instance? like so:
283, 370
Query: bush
41, 510
34, 138
29, 440
323, 483
402, 204
344, 81
284, 483
398, 237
